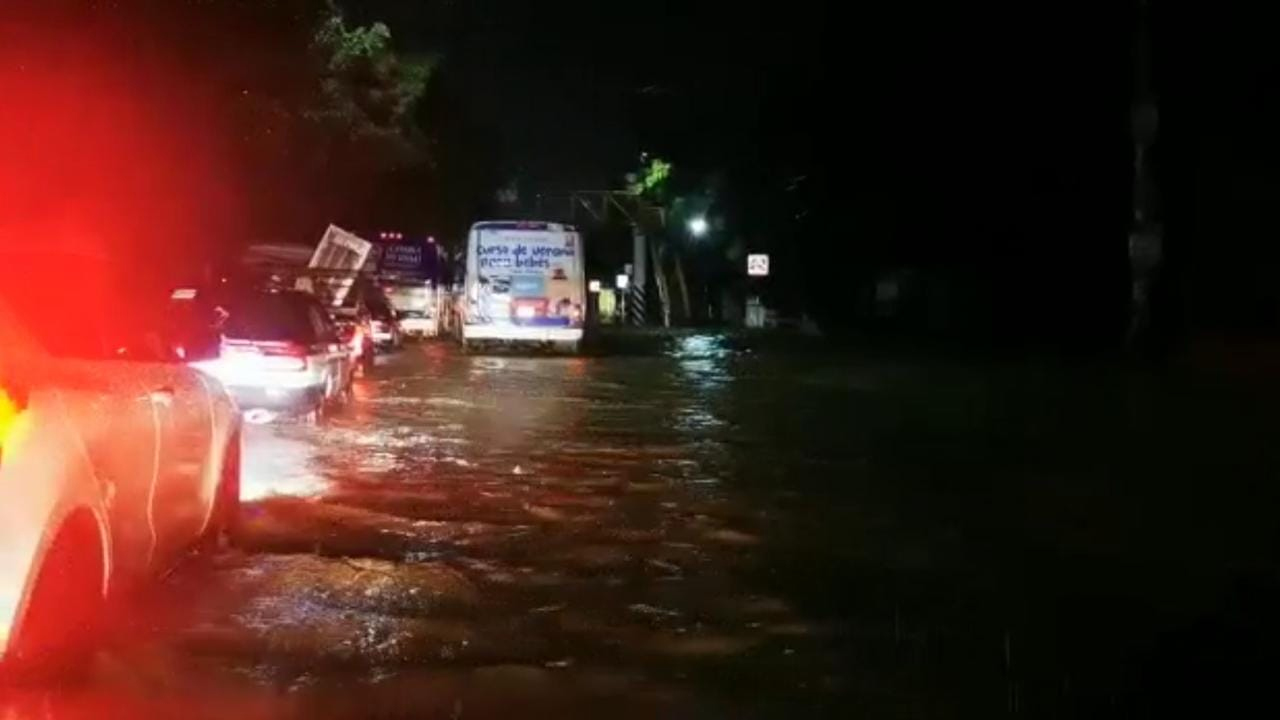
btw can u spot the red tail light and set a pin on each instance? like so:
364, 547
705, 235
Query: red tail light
527, 309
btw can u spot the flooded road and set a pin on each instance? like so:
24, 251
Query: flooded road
724, 530
483, 537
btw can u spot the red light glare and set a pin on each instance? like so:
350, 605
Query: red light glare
10, 409
106, 128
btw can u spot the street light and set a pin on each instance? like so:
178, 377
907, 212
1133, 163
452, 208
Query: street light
698, 226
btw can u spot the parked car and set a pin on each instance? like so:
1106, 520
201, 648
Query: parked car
355, 329
356, 301
280, 351
386, 326
116, 458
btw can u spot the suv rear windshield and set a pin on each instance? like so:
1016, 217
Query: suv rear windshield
269, 316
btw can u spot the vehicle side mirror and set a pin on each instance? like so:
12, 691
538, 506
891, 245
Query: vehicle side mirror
204, 344
139, 346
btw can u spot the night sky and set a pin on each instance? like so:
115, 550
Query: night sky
991, 138
984, 142
576, 90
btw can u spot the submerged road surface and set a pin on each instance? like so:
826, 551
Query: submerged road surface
728, 529
489, 537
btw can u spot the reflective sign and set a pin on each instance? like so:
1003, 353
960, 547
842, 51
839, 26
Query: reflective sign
758, 265
622, 281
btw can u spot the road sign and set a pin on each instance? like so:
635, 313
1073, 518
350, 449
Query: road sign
758, 265
594, 286
622, 281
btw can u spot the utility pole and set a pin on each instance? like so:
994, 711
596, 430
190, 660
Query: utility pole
641, 217
1146, 236
639, 277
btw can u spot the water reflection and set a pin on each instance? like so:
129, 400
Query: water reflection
278, 460
703, 363
703, 360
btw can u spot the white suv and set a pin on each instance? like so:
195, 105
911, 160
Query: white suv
281, 351
115, 456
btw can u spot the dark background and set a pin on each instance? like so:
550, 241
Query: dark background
982, 151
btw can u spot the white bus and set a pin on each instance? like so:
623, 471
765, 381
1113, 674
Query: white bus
524, 284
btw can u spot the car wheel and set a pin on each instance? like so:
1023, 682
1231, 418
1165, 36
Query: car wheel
316, 413
342, 393
59, 633
224, 524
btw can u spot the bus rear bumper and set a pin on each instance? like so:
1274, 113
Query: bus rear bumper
517, 333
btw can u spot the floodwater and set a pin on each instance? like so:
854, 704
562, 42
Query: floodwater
484, 537
720, 529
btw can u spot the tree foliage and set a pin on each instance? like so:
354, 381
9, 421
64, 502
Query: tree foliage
318, 113
651, 180
364, 87
216, 123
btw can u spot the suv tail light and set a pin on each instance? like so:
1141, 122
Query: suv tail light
274, 355
284, 356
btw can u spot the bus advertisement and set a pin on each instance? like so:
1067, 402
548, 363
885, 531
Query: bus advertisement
524, 284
